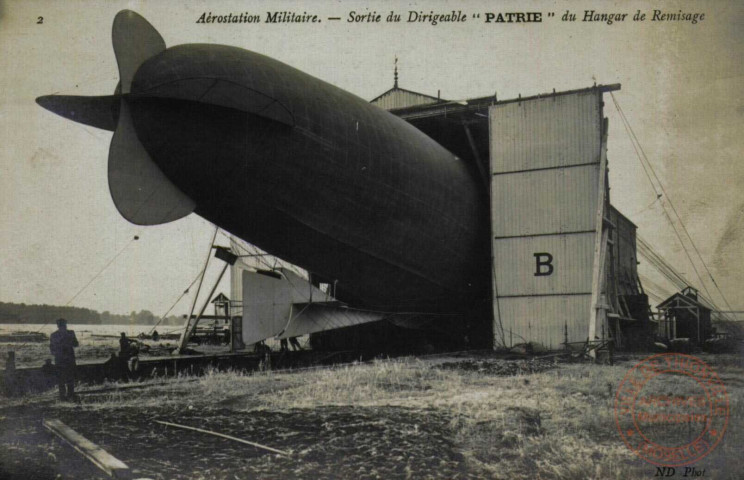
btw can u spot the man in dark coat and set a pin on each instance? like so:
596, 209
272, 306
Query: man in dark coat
62, 344
125, 347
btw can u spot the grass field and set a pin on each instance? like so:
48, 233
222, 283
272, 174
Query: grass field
405, 418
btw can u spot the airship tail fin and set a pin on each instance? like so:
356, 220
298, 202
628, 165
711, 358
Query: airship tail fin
140, 190
135, 41
99, 112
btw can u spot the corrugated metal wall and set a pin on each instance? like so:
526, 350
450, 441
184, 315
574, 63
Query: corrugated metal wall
545, 201
572, 263
546, 132
624, 253
544, 319
545, 162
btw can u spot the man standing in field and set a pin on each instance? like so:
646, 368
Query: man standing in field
125, 347
62, 343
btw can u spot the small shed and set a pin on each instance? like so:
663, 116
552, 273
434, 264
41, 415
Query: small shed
683, 316
221, 306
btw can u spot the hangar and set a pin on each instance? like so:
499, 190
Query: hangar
564, 259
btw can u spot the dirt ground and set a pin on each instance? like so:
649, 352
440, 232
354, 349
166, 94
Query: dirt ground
398, 419
372, 443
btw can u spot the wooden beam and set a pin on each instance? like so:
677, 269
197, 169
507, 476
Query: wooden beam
600, 241
100, 457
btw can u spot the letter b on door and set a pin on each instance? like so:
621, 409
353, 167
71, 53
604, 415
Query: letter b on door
543, 264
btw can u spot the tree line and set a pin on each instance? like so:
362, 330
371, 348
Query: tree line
41, 314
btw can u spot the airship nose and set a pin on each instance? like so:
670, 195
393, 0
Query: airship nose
100, 112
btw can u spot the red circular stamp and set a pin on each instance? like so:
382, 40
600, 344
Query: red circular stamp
671, 409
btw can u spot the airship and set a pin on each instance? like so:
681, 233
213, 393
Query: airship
302, 169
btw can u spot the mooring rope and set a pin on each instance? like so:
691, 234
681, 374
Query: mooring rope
108, 264
641, 157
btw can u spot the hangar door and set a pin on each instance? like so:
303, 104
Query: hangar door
548, 200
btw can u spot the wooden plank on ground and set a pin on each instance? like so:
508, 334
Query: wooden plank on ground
100, 457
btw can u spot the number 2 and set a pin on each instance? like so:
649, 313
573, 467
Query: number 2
39, 20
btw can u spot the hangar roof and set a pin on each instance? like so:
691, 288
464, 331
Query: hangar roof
396, 98
689, 296
461, 126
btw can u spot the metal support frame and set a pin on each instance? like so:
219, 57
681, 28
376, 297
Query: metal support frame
192, 328
476, 156
185, 336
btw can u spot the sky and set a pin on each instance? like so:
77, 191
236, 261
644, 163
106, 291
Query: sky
63, 242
